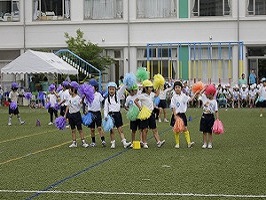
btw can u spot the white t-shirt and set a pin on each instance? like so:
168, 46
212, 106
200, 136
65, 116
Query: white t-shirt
13, 95
74, 104
262, 92
96, 104
130, 100
146, 100
65, 96
209, 106
52, 99
179, 102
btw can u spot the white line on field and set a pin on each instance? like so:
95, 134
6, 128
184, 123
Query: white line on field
136, 193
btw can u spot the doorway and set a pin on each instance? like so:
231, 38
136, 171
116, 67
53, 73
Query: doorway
259, 67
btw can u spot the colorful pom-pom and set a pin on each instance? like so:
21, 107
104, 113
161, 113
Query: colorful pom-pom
14, 85
197, 87
60, 123
57, 106
179, 125
142, 74
130, 80
108, 123
158, 81
51, 87
218, 127
13, 105
132, 113
59, 88
145, 113
28, 95
156, 101
47, 105
87, 91
87, 119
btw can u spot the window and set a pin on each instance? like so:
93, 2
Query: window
103, 9
211, 8
9, 10
156, 8
256, 7
51, 9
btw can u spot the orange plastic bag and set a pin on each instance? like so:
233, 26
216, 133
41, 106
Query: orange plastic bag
179, 125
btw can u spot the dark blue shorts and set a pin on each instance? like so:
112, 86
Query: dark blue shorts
134, 125
148, 123
118, 122
206, 123
97, 119
75, 120
182, 116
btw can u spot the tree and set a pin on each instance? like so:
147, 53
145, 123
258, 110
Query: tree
88, 51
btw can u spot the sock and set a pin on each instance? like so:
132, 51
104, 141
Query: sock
177, 138
102, 138
93, 140
187, 136
9, 119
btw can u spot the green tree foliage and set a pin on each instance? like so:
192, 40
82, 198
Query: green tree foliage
88, 51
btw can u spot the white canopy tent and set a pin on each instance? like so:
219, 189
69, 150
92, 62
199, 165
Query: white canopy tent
32, 62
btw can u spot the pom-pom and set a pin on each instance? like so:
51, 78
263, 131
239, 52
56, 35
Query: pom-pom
218, 127
132, 113
197, 87
28, 95
108, 123
13, 105
88, 91
145, 113
158, 81
87, 119
47, 105
210, 90
60, 123
156, 101
74, 85
60, 87
57, 106
130, 80
179, 125
142, 74
51, 87
14, 85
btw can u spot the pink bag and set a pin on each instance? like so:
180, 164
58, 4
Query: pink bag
218, 127
179, 125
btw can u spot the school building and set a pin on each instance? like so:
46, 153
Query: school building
208, 40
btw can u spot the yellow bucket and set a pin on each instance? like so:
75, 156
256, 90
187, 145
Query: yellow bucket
136, 144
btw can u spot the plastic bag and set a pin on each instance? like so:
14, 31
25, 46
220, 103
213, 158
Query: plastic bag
179, 125
218, 127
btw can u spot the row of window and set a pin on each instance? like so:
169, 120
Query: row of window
113, 9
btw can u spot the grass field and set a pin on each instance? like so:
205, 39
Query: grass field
36, 162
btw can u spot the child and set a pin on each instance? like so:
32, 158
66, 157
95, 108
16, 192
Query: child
134, 125
112, 108
262, 96
13, 97
52, 99
236, 97
74, 105
252, 93
146, 100
95, 109
179, 103
210, 107
162, 104
64, 96
244, 95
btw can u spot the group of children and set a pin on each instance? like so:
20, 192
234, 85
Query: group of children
142, 96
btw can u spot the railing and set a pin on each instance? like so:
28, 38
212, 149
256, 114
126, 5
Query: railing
81, 65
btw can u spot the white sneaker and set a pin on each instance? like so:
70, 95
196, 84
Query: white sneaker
204, 146
73, 145
166, 120
131, 146
261, 115
161, 143
209, 146
50, 123
103, 143
22, 122
190, 144
85, 145
177, 146
145, 146
9, 124
67, 126
92, 144
112, 144
159, 120
127, 144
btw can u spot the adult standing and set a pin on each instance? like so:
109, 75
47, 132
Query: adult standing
252, 77
242, 80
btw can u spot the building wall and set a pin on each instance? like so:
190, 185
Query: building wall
130, 34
